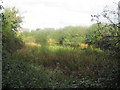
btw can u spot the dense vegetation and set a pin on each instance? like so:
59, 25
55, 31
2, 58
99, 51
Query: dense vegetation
71, 57
11, 38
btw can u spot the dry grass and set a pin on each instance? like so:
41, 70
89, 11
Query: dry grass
33, 44
29, 39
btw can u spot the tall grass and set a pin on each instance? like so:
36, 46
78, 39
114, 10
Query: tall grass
69, 59
59, 67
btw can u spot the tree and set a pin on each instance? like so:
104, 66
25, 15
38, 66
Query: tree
107, 34
10, 21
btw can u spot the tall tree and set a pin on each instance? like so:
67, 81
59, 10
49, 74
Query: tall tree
11, 20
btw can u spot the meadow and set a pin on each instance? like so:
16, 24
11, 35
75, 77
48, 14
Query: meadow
44, 63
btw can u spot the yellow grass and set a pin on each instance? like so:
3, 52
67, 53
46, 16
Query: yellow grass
84, 45
30, 39
51, 41
33, 44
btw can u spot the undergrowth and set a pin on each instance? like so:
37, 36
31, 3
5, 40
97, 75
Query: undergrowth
59, 67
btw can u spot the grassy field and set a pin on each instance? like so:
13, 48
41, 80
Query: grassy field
56, 66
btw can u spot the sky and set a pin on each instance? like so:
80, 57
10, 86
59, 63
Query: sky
57, 13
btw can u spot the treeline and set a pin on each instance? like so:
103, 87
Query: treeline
70, 35
105, 37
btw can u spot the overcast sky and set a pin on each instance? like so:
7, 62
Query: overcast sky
57, 13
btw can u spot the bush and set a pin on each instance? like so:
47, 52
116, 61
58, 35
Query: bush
18, 74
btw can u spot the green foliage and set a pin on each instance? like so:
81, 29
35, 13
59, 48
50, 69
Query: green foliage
69, 67
18, 74
105, 37
59, 67
68, 35
11, 39
72, 35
